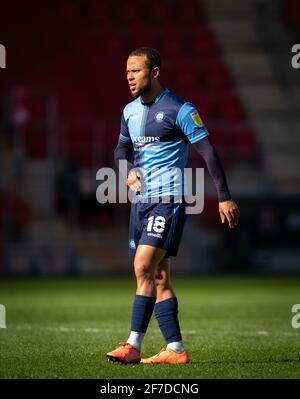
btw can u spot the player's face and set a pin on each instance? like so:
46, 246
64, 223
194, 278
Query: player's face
138, 75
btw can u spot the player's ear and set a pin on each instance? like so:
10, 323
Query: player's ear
155, 72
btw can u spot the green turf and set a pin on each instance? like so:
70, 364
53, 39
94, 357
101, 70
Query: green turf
233, 328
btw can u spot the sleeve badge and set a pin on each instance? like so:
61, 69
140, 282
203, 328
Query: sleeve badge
196, 118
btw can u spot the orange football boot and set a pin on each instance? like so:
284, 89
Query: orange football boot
167, 356
125, 353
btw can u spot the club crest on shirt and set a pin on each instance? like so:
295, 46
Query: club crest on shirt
159, 116
132, 244
196, 118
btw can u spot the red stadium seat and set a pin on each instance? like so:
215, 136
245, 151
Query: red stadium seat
190, 13
35, 140
17, 208
98, 12
76, 143
28, 106
73, 104
244, 144
83, 57
170, 30
202, 102
140, 36
214, 73
128, 13
215, 80
142, 41
211, 216
68, 11
229, 107
172, 47
203, 47
157, 13
30, 113
184, 63
218, 137
187, 79
291, 10
213, 63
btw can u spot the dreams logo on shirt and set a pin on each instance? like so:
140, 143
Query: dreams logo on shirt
145, 139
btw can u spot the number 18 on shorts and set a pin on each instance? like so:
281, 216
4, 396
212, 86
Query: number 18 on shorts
157, 224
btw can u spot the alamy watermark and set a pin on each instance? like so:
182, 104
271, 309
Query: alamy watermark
2, 316
2, 56
161, 184
296, 58
295, 322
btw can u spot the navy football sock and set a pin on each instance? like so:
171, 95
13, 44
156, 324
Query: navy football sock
141, 312
166, 313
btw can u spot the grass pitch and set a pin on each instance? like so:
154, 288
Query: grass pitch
233, 327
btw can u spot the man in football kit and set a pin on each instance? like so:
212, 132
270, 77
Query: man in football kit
156, 129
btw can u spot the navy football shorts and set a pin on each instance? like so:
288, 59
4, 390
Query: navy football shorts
157, 224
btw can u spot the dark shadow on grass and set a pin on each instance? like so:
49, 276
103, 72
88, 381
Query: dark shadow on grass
244, 361
194, 362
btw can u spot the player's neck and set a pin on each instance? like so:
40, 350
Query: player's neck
154, 92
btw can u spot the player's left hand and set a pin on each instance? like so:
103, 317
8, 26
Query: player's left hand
229, 211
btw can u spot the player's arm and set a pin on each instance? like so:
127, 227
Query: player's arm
190, 123
123, 152
228, 209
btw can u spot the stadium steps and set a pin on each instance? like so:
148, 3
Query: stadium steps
237, 39
91, 251
277, 41
228, 10
284, 144
61, 249
39, 183
41, 250
253, 69
103, 251
235, 24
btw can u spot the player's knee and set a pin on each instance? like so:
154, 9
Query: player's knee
159, 279
143, 270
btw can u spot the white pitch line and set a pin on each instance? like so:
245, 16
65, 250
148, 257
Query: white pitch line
28, 327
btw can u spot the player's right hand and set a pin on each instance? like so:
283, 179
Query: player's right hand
134, 180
